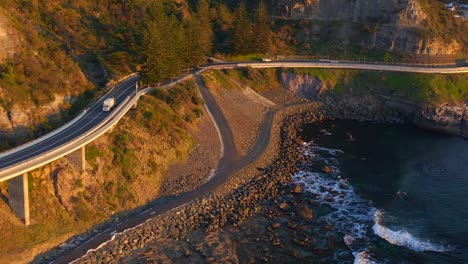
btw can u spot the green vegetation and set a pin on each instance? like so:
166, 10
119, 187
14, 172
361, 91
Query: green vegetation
75, 47
218, 80
424, 88
251, 35
106, 39
247, 57
91, 153
127, 166
257, 79
170, 45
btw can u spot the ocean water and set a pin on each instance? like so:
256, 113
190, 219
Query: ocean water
398, 194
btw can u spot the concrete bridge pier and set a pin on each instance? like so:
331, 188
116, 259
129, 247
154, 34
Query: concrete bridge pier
78, 158
18, 199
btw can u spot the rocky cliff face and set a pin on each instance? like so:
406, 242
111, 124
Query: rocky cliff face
446, 118
303, 84
10, 40
452, 119
384, 24
19, 119
14, 121
17, 122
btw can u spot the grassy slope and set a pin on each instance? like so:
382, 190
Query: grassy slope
258, 80
424, 88
120, 177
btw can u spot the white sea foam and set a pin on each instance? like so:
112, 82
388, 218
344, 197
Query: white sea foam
363, 257
352, 215
404, 238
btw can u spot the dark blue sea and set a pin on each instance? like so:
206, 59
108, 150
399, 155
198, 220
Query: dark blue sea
398, 194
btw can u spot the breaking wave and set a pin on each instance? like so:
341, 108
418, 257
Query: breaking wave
404, 238
352, 215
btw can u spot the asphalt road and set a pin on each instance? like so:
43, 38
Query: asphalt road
230, 163
92, 118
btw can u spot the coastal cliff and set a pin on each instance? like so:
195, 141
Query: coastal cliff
376, 102
242, 194
19, 122
39, 80
403, 26
47, 64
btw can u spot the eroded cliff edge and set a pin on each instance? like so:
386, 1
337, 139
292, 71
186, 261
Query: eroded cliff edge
365, 99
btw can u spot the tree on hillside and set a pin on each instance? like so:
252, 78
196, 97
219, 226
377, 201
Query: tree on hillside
154, 66
206, 33
243, 34
262, 30
199, 35
163, 47
170, 45
222, 26
176, 47
195, 54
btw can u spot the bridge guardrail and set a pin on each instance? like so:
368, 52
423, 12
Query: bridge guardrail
61, 128
27, 165
44, 137
417, 61
341, 65
118, 112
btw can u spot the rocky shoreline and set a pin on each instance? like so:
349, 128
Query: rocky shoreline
268, 198
231, 205
382, 105
284, 216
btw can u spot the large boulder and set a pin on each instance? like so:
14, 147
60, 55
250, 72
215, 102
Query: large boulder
446, 118
304, 212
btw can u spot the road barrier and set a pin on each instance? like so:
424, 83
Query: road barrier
111, 120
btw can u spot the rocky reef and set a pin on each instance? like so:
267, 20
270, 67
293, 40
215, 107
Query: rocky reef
450, 119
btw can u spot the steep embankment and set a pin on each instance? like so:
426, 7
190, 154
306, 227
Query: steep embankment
242, 194
39, 81
436, 102
126, 168
408, 26
54, 55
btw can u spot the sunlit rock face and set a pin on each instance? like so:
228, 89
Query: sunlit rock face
395, 25
408, 11
9, 38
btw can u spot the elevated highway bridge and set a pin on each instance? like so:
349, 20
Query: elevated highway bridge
70, 139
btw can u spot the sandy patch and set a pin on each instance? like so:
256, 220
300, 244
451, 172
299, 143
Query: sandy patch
244, 110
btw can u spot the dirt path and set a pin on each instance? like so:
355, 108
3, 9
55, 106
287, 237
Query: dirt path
229, 163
